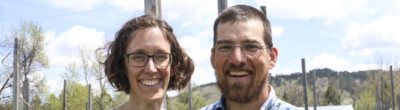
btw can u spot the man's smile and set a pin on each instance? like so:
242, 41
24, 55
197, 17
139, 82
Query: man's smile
238, 73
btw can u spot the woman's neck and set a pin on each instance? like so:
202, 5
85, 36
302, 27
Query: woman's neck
137, 104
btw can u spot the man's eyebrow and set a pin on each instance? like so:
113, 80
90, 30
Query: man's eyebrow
223, 41
250, 41
245, 41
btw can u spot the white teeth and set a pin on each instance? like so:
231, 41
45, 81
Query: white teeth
239, 73
150, 82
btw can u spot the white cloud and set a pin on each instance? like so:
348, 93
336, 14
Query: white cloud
68, 43
37, 75
49, 36
80, 5
392, 7
377, 34
172, 93
191, 12
305, 9
326, 60
64, 49
203, 75
277, 31
128, 5
200, 52
193, 46
55, 86
362, 52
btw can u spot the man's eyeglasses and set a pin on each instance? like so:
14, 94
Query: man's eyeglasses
250, 49
140, 60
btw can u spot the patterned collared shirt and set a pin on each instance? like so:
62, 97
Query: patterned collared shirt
272, 103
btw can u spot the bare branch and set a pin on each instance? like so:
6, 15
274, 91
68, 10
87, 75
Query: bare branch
5, 70
4, 85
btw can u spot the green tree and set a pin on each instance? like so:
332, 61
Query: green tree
76, 94
76, 97
102, 101
181, 102
285, 96
366, 100
294, 93
36, 103
121, 98
332, 96
174, 104
198, 102
53, 103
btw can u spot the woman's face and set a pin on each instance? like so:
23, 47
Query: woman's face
148, 83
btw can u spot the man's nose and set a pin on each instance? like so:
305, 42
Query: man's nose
237, 57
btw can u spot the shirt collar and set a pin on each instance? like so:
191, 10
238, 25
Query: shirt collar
271, 100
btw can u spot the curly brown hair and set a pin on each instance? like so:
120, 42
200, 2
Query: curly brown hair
182, 66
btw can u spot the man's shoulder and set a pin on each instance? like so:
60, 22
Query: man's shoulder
282, 105
210, 107
215, 106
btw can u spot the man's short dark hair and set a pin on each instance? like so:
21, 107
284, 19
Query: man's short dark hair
239, 13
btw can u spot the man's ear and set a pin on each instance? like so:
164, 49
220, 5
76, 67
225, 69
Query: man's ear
212, 58
273, 57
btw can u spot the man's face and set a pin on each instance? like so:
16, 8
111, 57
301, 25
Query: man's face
242, 76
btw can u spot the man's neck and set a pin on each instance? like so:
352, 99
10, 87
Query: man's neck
254, 104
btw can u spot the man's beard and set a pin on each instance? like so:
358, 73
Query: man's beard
239, 91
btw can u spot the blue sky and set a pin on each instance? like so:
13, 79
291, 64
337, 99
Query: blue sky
345, 35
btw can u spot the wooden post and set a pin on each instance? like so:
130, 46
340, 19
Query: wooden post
303, 65
314, 87
26, 93
382, 92
90, 98
153, 7
377, 100
264, 10
190, 96
222, 5
64, 95
391, 85
16, 76
398, 101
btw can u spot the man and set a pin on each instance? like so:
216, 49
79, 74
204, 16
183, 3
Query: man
242, 56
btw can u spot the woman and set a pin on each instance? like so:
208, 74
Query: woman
145, 61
